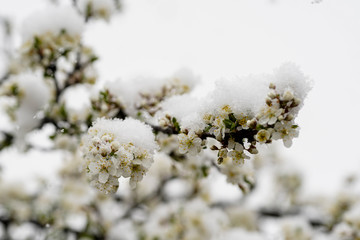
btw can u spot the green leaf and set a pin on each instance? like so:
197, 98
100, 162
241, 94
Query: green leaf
65, 52
37, 42
105, 96
14, 90
233, 126
176, 124
89, 120
251, 184
232, 117
227, 123
62, 112
208, 128
93, 59
89, 9
204, 170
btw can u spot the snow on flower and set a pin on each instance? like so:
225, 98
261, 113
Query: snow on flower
47, 25
118, 148
264, 111
97, 8
144, 96
31, 94
50, 34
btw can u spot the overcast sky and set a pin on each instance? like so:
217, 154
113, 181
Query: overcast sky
227, 38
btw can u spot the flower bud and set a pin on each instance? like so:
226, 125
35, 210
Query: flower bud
252, 123
268, 102
253, 151
289, 117
296, 102
272, 94
288, 96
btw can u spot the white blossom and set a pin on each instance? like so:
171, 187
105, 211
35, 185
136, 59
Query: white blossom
192, 220
270, 115
97, 8
51, 23
237, 174
189, 143
343, 231
296, 229
238, 157
31, 94
263, 135
285, 131
116, 148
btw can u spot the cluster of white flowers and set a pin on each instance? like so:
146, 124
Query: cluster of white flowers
243, 217
118, 148
350, 227
343, 231
70, 204
13, 200
277, 117
288, 183
338, 206
82, 72
189, 143
105, 104
193, 166
47, 33
296, 229
30, 95
97, 8
243, 176
143, 96
193, 220
239, 122
238, 132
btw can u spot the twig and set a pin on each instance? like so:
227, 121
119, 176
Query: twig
159, 193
